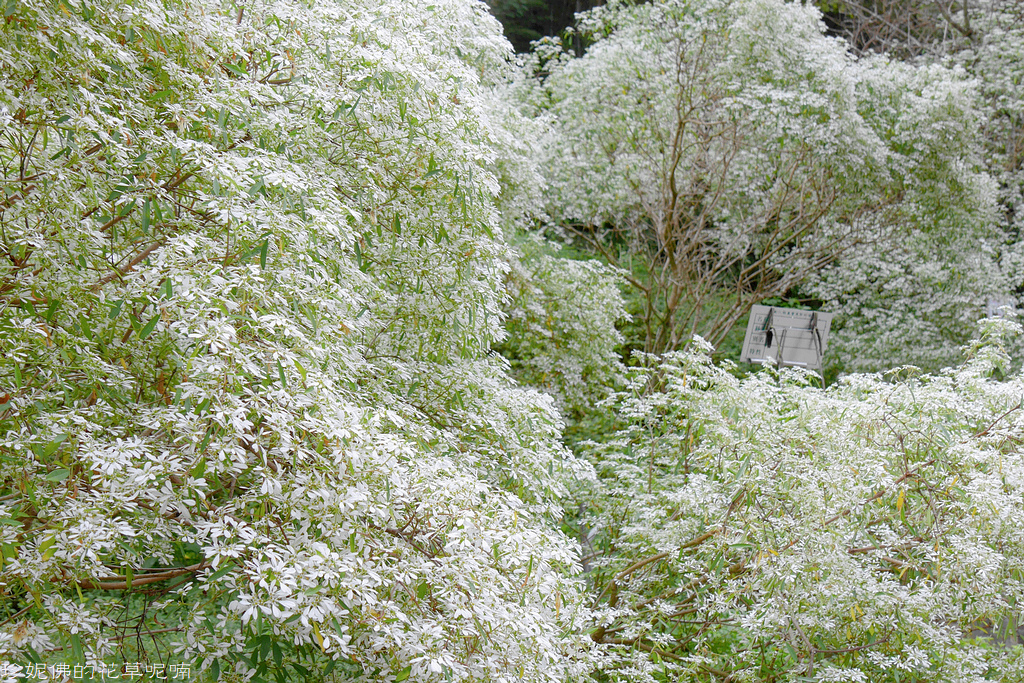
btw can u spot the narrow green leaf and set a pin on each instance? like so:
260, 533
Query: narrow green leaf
52, 447
115, 309
223, 571
150, 326
236, 70
76, 648
58, 475
278, 654
46, 547
51, 310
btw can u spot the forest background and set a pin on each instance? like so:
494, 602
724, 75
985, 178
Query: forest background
337, 342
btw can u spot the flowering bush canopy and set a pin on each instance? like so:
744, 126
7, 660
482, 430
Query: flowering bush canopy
250, 273
769, 530
726, 151
253, 273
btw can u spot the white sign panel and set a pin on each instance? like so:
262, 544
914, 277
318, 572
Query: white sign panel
788, 336
994, 307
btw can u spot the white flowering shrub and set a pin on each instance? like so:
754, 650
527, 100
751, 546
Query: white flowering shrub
250, 273
993, 58
912, 296
936, 281
562, 329
768, 530
726, 151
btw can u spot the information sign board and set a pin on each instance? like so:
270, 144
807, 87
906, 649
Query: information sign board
787, 336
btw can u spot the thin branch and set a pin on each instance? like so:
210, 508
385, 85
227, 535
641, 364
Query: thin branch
120, 583
128, 267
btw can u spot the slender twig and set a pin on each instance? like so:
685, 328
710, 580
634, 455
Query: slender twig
128, 267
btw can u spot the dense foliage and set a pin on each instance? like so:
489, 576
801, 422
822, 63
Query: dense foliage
268, 270
725, 152
769, 530
251, 272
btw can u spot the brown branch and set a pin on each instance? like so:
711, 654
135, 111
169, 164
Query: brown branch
873, 498
629, 570
128, 267
634, 642
985, 431
964, 29
120, 583
700, 539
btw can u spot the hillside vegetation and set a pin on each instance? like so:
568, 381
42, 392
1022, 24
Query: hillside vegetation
339, 344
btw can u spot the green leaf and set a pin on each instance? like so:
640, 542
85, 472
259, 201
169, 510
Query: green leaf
51, 310
220, 572
58, 475
148, 329
76, 648
236, 70
404, 673
83, 322
46, 547
262, 249
115, 309
52, 447
278, 654
422, 590
145, 216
